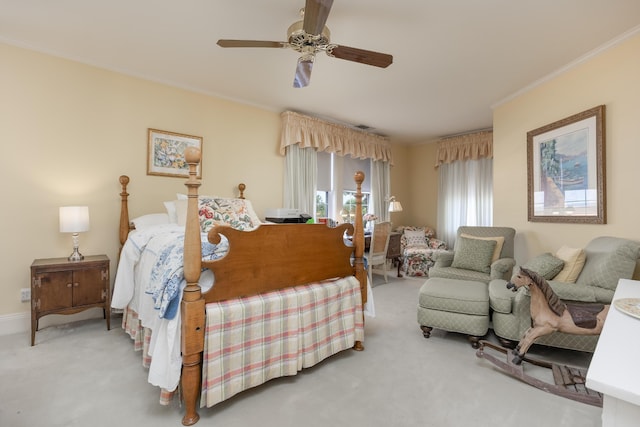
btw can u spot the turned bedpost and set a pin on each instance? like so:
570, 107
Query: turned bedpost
124, 210
358, 242
193, 304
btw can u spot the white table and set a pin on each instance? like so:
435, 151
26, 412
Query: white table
615, 368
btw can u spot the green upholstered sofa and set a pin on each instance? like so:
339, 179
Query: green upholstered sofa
608, 259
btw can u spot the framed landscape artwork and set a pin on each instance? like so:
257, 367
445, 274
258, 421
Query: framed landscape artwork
165, 153
566, 170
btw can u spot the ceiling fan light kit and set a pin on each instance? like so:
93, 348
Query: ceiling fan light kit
310, 36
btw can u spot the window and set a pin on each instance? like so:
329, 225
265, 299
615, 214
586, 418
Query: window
348, 211
335, 195
322, 204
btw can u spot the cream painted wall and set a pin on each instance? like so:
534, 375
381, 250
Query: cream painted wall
414, 182
423, 185
611, 78
69, 130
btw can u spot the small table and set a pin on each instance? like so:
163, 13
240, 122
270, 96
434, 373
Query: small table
60, 286
614, 367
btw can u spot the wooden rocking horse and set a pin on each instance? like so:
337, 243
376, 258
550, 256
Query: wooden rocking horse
550, 314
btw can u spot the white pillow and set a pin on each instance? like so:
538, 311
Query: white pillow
150, 220
181, 211
415, 237
170, 206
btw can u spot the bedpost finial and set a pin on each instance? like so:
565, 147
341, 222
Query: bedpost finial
124, 180
241, 188
359, 177
192, 155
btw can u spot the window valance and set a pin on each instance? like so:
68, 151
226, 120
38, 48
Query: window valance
309, 131
471, 146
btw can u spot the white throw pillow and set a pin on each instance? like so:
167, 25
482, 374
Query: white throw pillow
415, 237
149, 220
170, 206
181, 211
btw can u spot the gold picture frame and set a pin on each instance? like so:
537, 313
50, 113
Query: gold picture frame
566, 170
165, 153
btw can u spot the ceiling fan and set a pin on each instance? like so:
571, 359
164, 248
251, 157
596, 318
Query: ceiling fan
311, 36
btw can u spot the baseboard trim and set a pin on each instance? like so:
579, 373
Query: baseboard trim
15, 323
18, 323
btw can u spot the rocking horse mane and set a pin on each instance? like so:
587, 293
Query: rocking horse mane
555, 303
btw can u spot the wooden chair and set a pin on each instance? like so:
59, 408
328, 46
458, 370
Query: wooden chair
377, 254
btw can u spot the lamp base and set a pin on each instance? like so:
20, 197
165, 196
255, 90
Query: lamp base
76, 255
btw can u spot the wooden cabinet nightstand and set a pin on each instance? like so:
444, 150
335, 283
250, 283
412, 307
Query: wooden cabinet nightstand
60, 286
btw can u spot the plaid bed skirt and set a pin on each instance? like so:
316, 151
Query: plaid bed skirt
251, 340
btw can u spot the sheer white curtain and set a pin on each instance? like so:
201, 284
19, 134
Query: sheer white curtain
380, 189
465, 196
301, 171
303, 135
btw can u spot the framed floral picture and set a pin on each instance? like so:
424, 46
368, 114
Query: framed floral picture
165, 153
566, 169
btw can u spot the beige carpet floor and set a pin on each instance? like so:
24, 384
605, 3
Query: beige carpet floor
80, 374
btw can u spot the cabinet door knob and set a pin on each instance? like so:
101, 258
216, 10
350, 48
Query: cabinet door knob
68, 285
75, 285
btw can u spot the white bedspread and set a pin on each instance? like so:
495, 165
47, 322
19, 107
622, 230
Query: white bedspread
137, 283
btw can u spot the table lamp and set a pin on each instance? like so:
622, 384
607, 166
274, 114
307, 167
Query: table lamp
394, 205
74, 219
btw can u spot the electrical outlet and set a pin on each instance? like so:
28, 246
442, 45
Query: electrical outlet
25, 294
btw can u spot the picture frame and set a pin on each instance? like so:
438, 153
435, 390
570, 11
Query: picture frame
566, 170
165, 153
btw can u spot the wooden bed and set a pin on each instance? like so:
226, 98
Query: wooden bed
271, 257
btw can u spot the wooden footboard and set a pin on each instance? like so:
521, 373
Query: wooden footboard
268, 258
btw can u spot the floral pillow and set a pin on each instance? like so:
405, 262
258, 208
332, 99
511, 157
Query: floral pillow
236, 213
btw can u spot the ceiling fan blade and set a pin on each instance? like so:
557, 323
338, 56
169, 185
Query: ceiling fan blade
303, 71
249, 43
316, 13
362, 56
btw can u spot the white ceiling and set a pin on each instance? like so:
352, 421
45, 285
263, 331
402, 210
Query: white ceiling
453, 59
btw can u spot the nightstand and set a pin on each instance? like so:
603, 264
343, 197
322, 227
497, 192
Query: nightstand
60, 286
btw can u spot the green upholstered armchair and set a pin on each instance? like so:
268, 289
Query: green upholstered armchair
606, 261
480, 254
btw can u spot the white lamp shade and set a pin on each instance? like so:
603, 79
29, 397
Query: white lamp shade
395, 206
74, 219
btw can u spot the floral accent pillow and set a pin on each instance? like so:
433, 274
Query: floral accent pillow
236, 213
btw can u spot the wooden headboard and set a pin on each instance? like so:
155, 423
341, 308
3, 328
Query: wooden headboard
126, 226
